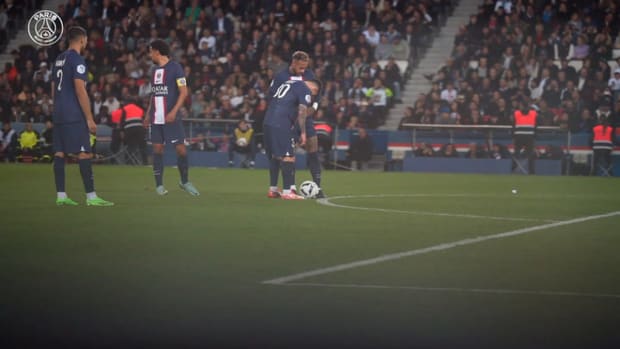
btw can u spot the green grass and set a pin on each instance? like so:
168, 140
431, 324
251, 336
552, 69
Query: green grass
181, 270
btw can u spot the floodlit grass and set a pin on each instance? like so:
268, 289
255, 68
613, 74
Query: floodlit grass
181, 270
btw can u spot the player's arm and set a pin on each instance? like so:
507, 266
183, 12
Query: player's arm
302, 114
182, 86
146, 121
82, 96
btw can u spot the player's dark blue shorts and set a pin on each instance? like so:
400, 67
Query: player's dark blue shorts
279, 141
170, 133
71, 138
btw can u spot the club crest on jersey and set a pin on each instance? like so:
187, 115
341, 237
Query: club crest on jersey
45, 28
159, 77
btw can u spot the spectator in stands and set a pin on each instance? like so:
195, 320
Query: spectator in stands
384, 49
43, 74
111, 103
449, 93
448, 151
477, 151
378, 96
360, 150
8, 142
47, 141
614, 84
243, 142
499, 151
425, 150
408, 118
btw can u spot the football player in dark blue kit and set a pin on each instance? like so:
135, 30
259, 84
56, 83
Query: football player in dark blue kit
73, 119
168, 92
288, 110
298, 71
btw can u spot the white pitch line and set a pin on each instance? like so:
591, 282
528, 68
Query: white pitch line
440, 247
459, 290
327, 202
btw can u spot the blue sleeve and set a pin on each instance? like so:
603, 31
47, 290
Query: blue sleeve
309, 74
78, 68
304, 96
179, 76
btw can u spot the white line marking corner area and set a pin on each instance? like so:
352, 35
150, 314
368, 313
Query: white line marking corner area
441, 247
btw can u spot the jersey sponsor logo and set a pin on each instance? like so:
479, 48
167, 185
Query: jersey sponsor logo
81, 69
297, 78
181, 82
158, 79
159, 90
45, 28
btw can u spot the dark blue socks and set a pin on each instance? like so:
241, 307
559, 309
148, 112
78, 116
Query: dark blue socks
158, 168
183, 168
86, 170
274, 172
59, 174
315, 167
288, 174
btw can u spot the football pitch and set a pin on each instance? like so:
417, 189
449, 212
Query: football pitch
389, 260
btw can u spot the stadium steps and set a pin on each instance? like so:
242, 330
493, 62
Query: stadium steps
22, 38
434, 57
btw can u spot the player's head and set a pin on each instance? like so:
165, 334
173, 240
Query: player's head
159, 49
314, 85
299, 62
77, 37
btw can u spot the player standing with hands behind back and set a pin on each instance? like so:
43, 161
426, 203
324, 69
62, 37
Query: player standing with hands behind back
73, 119
168, 92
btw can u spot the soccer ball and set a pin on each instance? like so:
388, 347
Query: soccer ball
309, 189
242, 142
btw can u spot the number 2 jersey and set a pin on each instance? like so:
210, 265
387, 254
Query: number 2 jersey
165, 83
283, 107
68, 66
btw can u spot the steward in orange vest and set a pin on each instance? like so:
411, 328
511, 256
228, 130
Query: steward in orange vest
524, 134
602, 145
129, 120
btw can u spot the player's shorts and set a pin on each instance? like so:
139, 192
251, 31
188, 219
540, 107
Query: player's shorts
279, 141
71, 138
170, 133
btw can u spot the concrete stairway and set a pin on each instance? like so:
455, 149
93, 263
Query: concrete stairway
432, 60
22, 38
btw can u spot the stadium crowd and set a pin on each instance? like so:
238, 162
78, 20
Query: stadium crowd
554, 54
230, 51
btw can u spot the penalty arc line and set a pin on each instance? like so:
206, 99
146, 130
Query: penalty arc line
435, 248
328, 202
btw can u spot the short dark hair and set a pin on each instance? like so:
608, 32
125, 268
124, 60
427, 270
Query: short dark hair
318, 83
75, 33
161, 46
